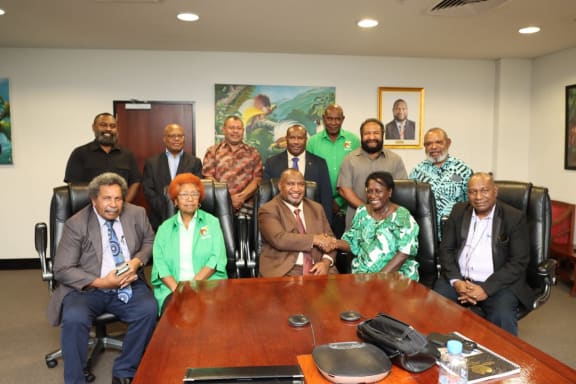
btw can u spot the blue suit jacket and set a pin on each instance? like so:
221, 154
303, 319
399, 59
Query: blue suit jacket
316, 170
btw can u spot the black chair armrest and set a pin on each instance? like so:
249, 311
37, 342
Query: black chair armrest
547, 269
547, 274
41, 244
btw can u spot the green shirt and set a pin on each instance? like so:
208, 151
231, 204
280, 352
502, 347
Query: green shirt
208, 251
334, 153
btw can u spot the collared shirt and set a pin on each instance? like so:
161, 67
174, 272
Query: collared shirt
173, 162
449, 183
356, 168
108, 263
334, 153
301, 161
236, 167
186, 243
475, 260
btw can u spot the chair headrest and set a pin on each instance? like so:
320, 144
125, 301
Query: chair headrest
78, 196
514, 193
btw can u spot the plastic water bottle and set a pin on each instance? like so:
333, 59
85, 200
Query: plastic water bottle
453, 369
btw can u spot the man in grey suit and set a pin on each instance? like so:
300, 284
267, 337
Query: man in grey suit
484, 255
161, 169
294, 232
400, 128
99, 241
313, 167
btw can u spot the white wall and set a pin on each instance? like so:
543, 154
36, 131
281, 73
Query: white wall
56, 93
551, 75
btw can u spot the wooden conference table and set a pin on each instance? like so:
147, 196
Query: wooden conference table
244, 322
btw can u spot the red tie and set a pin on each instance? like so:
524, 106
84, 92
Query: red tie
307, 263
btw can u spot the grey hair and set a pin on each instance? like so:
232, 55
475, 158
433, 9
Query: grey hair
107, 178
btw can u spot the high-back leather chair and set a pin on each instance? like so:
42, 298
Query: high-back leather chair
266, 191
217, 202
534, 201
66, 201
418, 198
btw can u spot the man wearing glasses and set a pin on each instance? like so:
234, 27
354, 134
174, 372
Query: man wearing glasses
161, 169
484, 255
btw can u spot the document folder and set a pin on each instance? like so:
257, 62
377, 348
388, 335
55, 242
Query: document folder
260, 375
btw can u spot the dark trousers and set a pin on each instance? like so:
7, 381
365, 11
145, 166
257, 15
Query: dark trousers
500, 308
78, 311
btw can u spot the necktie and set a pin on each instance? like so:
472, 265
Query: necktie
307, 262
402, 130
295, 163
124, 294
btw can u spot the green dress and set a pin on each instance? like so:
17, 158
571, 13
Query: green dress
375, 243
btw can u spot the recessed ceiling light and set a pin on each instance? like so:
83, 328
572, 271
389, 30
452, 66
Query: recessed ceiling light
367, 23
185, 16
529, 30
2, 12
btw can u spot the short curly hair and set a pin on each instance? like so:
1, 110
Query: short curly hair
185, 178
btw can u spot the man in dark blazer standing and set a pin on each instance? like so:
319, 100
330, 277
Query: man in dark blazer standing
313, 167
484, 255
96, 242
161, 169
294, 232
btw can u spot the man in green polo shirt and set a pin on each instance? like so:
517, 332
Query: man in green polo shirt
333, 144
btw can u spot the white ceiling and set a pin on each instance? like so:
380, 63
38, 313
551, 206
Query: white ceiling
293, 26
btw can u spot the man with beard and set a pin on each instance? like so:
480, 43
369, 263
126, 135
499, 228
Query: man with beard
313, 167
400, 128
360, 163
295, 231
447, 175
103, 155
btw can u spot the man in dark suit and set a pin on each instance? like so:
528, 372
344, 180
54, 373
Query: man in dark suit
313, 167
96, 242
400, 128
294, 231
161, 169
484, 255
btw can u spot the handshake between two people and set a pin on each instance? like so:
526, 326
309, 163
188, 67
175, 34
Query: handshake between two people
326, 243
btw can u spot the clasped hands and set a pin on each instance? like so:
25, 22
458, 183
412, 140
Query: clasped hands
468, 292
325, 242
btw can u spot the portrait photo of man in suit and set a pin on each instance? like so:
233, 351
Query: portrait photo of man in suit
313, 167
400, 128
484, 255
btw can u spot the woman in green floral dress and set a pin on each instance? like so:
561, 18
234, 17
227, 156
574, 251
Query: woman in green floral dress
383, 236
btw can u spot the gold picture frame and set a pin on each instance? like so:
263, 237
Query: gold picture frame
410, 133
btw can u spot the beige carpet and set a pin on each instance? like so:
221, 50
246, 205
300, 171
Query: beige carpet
27, 337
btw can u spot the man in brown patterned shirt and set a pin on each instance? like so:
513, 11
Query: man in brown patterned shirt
235, 163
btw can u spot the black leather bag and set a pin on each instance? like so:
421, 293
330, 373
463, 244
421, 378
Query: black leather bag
404, 345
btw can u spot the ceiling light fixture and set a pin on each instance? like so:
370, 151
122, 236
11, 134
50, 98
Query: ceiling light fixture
186, 16
367, 23
529, 30
2, 12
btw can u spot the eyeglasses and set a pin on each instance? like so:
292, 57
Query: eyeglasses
483, 192
189, 195
172, 137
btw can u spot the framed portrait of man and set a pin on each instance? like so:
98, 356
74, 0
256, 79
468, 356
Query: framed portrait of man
570, 141
401, 110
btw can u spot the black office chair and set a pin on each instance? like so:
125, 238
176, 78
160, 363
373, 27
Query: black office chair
66, 201
535, 203
218, 203
418, 198
266, 191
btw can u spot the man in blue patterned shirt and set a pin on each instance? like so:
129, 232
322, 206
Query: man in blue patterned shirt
447, 175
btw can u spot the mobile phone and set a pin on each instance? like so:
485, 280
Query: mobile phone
122, 269
440, 340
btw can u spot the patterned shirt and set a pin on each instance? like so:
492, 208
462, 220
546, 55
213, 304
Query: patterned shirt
235, 167
375, 243
449, 183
